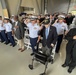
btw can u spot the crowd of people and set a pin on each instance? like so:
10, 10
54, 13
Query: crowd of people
52, 27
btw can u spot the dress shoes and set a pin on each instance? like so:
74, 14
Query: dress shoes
64, 65
22, 50
6, 43
10, 44
2, 41
14, 45
52, 61
32, 54
70, 69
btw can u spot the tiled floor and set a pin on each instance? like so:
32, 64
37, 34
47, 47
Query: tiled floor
13, 62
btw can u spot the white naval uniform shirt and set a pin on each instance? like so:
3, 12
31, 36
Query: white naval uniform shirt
61, 27
8, 27
1, 27
33, 30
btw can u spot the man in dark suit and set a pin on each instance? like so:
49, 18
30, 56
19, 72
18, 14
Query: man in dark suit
19, 33
70, 50
49, 37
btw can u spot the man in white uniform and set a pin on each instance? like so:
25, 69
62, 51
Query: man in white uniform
2, 32
1, 39
33, 33
8, 28
61, 27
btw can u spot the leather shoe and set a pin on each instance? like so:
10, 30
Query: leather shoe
32, 54
2, 41
52, 61
13, 45
10, 44
6, 43
64, 65
70, 69
22, 50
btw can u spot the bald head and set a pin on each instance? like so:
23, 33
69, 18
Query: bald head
16, 18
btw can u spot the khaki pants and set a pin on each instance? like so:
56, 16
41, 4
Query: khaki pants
21, 43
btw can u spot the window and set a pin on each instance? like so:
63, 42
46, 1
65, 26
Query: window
28, 9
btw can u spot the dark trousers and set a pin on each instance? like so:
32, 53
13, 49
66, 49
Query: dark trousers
47, 50
4, 37
1, 37
34, 45
11, 38
59, 41
71, 54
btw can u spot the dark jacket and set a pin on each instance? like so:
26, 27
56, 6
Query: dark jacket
70, 34
52, 37
19, 33
71, 41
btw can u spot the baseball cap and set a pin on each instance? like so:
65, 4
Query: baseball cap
46, 21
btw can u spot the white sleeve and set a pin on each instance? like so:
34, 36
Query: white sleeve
29, 25
55, 25
10, 26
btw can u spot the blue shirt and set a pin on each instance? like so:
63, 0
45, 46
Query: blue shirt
47, 31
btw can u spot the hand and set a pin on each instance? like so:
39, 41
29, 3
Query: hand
41, 27
52, 45
25, 22
74, 37
13, 33
16, 26
37, 41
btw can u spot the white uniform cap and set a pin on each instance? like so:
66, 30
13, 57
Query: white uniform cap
6, 18
33, 17
12, 15
61, 16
